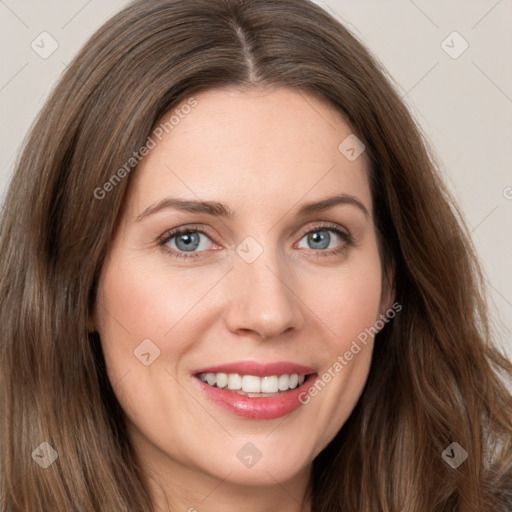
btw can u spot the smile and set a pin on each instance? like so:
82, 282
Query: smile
254, 390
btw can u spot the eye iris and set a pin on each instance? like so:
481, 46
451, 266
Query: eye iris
191, 241
320, 237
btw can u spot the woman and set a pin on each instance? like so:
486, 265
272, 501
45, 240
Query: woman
176, 332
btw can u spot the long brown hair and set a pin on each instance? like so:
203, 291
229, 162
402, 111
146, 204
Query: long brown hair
436, 377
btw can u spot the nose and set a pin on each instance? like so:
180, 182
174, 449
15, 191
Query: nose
263, 299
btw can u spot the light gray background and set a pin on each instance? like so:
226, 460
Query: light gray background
463, 104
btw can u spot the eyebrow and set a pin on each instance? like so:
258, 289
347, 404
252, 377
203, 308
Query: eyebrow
217, 209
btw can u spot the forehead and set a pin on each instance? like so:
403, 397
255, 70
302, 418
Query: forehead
244, 148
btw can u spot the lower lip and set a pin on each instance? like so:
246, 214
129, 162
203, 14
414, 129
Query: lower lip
257, 408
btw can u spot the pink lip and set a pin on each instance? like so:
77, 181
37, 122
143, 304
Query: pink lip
263, 408
258, 369
257, 408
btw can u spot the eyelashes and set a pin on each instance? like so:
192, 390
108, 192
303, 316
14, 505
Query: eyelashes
192, 235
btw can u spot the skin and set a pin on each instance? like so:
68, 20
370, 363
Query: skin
263, 154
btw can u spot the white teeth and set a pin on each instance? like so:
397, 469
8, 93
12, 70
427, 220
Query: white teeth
234, 381
222, 380
284, 382
270, 384
253, 384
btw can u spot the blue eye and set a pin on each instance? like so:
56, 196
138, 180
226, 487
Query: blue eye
184, 241
320, 237
189, 243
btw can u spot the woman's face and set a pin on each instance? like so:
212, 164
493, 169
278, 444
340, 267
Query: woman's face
267, 285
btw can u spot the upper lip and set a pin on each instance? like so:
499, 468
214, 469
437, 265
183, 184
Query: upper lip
258, 369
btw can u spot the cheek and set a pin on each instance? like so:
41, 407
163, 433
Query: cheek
348, 300
349, 305
138, 302
130, 304
136, 308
